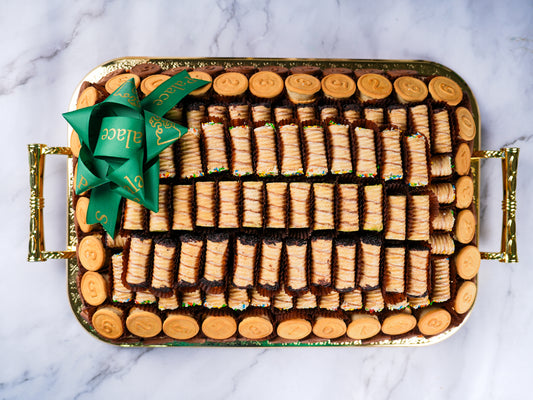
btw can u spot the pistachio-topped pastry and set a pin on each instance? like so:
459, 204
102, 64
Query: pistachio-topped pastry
302, 88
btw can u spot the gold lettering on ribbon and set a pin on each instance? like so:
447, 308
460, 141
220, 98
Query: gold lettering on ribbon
179, 85
136, 185
82, 182
131, 98
101, 218
106, 131
160, 123
122, 135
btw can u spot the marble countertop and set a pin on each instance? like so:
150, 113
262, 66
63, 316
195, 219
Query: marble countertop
48, 47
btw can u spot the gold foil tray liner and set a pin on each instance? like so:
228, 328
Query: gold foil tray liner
38, 152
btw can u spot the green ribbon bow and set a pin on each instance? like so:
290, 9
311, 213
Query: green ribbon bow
121, 139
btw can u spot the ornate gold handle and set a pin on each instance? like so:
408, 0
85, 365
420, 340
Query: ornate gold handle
509, 156
36, 249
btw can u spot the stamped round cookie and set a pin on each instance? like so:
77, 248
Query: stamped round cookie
203, 76
466, 295
410, 90
468, 261
465, 226
146, 69
150, 83
373, 87
294, 329
444, 89
363, 326
329, 328
93, 288
266, 84
464, 192
87, 98
75, 144
143, 323
108, 322
180, 327
433, 321
91, 252
81, 214
302, 88
230, 84
398, 324
219, 327
338, 86
115, 82
462, 159
255, 328
466, 123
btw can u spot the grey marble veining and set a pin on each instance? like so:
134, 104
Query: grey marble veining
46, 354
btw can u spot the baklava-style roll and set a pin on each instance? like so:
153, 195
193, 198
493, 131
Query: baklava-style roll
346, 260
205, 203
118, 242
215, 300
283, 113
215, 147
375, 115
321, 255
238, 299
393, 278
442, 243
217, 111
330, 301
299, 204
282, 300
395, 228
291, 157
228, 203
373, 212
190, 155
159, 221
441, 165
369, 261
324, 194
121, 294
261, 112
445, 192
315, 145
442, 139
374, 301
270, 264
352, 300
398, 118
341, 158
417, 272
144, 296
163, 270
252, 213
440, 291
296, 265
195, 115
305, 113
258, 300
175, 115
192, 299
392, 155
216, 258
133, 216
265, 149
419, 218
276, 204
168, 303
328, 112
444, 220
244, 263
420, 119
241, 150
366, 164
138, 261
417, 174
167, 169
182, 218
306, 301
239, 111
190, 258
351, 113
348, 207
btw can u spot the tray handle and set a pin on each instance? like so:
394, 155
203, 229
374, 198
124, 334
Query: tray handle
509, 157
36, 248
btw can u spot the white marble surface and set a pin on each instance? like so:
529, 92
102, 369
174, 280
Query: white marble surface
47, 47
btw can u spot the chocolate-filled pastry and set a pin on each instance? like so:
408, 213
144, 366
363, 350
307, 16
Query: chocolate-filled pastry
366, 165
315, 146
282, 300
167, 169
276, 204
348, 207
215, 300
182, 219
261, 112
419, 220
296, 264
369, 261
244, 262
306, 301
441, 138
241, 149
291, 157
445, 192
395, 228
228, 195
441, 165
192, 299
442, 243
375, 115
346, 259
393, 278
374, 301
373, 211
351, 113
138, 261
444, 220
330, 301
215, 147
133, 216
121, 294
339, 138
159, 221
190, 259
239, 111
258, 300
398, 118
321, 254
218, 111
205, 203
252, 213
417, 272
352, 300
392, 155
417, 173
265, 148
216, 258
300, 193
190, 155
163, 270
270, 264
324, 194
238, 299
420, 120
328, 113
440, 291
283, 113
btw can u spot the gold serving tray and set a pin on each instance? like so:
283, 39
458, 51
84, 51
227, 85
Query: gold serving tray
37, 153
